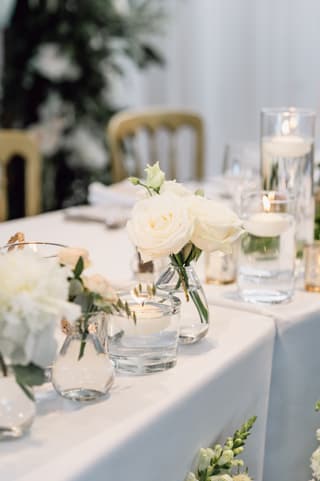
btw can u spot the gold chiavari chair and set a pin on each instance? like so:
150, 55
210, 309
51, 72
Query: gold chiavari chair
18, 143
125, 126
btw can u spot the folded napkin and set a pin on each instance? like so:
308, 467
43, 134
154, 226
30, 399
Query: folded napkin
120, 194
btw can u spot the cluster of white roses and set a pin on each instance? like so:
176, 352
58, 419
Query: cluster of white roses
315, 461
173, 216
33, 298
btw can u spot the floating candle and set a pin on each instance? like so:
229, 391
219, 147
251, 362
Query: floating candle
286, 146
150, 319
267, 224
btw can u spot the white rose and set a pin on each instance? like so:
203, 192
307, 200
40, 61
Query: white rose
100, 285
155, 176
175, 188
160, 225
69, 256
216, 226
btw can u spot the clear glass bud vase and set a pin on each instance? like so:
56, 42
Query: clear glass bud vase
82, 371
183, 282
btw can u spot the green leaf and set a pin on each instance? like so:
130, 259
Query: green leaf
78, 268
30, 375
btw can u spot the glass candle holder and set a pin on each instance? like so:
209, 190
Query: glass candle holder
312, 267
287, 157
220, 268
149, 342
266, 264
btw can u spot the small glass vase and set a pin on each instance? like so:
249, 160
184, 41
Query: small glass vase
183, 282
17, 411
82, 371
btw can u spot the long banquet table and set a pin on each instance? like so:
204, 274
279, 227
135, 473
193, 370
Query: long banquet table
151, 427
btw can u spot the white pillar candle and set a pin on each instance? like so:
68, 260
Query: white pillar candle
150, 319
267, 224
286, 146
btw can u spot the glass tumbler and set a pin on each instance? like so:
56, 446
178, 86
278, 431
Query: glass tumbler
266, 263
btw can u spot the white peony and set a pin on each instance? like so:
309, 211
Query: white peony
216, 226
33, 299
160, 225
315, 463
175, 188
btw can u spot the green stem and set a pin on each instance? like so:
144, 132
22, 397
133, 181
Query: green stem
3, 366
201, 308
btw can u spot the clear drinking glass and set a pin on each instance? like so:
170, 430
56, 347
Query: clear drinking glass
149, 342
266, 264
287, 157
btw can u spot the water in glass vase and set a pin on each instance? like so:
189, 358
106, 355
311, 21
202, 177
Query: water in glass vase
266, 265
184, 283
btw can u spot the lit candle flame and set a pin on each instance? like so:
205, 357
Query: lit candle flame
266, 203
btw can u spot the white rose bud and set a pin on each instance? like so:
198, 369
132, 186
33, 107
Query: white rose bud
160, 225
216, 226
155, 176
227, 457
69, 256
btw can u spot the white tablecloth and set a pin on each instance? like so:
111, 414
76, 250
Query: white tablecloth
295, 385
150, 428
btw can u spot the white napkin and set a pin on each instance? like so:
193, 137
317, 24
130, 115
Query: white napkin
120, 194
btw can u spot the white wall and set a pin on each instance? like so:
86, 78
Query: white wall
229, 58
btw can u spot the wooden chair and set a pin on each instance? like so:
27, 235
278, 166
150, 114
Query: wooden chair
125, 126
18, 143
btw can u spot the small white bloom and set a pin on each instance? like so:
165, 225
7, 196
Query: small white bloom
69, 256
205, 457
155, 176
54, 64
220, 477
191, 477
175, 188
318, 434
216, 226
98, 284
160, 225
241, 477
226, 457
315, 463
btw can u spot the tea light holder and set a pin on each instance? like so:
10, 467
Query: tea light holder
312, 267
220, 267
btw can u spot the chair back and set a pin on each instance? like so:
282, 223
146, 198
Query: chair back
124, 128
18, 143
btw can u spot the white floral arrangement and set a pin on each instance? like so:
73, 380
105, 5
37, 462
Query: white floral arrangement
315, 457
221, 463
36, 295
174, 222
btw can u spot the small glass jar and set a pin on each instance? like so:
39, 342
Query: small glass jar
145, 341
82, 370
312, 267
